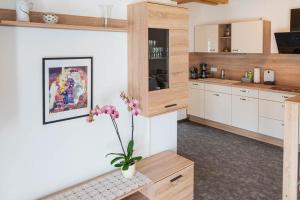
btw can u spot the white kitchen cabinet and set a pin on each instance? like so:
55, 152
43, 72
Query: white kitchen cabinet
245, 113
271, 109
207, 38
218, 107
271, 127
248, 37
196, 102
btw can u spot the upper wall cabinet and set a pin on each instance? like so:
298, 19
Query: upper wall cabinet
238, 37
207, 38
158, 57
251, 37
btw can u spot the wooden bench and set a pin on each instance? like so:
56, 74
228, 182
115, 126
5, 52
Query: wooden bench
172, 176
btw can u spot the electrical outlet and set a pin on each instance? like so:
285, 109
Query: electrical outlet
213, 69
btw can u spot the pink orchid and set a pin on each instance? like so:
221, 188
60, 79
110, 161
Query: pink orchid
108, 109
136, 111
115, 114
133, 103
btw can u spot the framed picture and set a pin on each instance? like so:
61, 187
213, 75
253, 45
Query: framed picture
67, 88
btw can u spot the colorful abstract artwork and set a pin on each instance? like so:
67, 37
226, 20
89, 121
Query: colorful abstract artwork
67, 88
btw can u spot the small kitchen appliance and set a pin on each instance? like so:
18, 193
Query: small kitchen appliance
203, 70
269, 77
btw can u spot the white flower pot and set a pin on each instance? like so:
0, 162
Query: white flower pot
130, 172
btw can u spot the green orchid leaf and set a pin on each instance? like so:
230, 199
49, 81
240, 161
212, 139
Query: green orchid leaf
130, 149
138, 158
116, 159
119, 165
125, 167
115, 154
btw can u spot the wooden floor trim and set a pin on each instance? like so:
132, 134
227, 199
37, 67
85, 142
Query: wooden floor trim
238, 131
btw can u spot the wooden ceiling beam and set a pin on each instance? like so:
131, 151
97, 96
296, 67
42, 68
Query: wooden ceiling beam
211, 2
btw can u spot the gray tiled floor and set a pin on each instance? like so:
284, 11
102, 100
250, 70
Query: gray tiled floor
230, 167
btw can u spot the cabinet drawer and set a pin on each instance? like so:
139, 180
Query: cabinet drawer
179, 186
271, 127
162, 16
218, 88
196, 85
274, 96
271, 109
245, 92
245, 113
167, 100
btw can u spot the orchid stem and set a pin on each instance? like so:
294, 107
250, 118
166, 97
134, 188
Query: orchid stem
118, 134
132, 127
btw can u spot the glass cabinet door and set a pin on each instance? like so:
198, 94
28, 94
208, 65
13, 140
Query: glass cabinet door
158, 59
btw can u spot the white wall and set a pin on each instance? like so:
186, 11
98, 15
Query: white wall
36, 160
277, 11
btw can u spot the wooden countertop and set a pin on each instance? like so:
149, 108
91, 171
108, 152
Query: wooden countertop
162, 165
234, 83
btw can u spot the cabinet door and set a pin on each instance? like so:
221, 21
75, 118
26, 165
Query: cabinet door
196, 102
170, 17
247, 37
271, 127
207, 38
245, 113
218, 107
178, 58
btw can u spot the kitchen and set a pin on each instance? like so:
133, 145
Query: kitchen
241, 72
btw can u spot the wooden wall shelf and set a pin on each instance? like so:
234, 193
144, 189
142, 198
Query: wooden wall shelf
71, 22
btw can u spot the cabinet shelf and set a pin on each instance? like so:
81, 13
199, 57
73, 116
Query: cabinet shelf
225, 37
158, 58
70, 22
60, 26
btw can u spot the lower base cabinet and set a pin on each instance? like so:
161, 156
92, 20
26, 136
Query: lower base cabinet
218, 107
245, 113
172, 176
271, 127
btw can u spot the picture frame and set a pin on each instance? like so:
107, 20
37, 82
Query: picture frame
67, 88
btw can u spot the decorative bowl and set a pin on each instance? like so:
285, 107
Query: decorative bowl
50, 18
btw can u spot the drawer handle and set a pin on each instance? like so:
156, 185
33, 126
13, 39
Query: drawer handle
176, 178
282, 124
217, 95
172, 105
243, 99
195, 84
245, 91
285, 97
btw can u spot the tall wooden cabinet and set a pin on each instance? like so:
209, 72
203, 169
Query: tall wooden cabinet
158, 57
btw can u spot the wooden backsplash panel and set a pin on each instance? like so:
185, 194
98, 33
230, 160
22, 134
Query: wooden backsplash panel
286, 67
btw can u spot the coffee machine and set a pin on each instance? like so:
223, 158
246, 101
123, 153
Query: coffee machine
203, 70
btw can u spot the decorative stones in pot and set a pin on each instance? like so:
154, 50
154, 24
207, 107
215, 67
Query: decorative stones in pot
50, 18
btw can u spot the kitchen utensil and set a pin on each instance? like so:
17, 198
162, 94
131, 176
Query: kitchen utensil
269, 77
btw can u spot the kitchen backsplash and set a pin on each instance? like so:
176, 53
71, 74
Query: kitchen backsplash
286, 67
